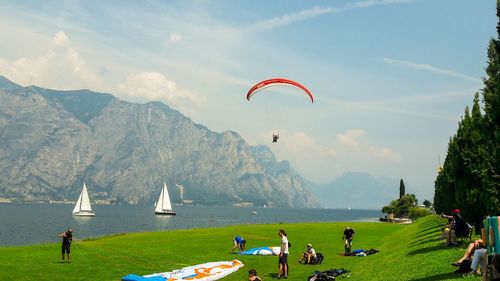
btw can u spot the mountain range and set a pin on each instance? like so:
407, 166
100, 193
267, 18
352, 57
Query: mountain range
356, 190
52, 141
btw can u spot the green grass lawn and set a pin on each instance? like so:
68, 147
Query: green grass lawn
407, 252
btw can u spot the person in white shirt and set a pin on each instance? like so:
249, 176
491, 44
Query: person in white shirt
309, 255
283, 257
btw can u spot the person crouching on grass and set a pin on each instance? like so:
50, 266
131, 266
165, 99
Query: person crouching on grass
239, 243
67, 238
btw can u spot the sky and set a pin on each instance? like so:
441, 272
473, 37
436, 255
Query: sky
391, 78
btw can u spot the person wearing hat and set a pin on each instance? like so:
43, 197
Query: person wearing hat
67, 238
459, 227
252, 275
309, 255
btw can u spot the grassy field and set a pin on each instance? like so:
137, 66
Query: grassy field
407, 252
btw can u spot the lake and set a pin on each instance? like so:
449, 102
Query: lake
31, 223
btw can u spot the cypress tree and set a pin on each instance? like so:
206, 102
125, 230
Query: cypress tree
470, 178
401, 189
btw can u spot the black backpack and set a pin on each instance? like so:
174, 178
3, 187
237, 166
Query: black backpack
321, 276
464, 267
327, 275
319, 258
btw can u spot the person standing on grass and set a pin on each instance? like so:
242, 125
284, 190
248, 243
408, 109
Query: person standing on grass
67, 238
347, 238
283, 258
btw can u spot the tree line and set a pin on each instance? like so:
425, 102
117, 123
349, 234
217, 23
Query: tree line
470, 176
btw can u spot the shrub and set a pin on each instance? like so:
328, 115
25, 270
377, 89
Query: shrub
417, 212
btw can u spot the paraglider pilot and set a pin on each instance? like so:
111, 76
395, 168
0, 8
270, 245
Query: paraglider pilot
276, 137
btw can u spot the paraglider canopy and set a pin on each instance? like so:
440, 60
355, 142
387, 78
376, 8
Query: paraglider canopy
276, 82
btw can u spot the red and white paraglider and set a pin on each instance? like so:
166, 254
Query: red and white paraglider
278, 82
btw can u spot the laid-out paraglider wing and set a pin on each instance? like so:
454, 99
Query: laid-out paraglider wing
276, 82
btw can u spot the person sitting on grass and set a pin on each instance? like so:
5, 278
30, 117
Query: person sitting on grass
309, 255
445, 230
477, 244
252, 275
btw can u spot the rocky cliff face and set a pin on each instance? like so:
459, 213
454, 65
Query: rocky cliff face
52, 141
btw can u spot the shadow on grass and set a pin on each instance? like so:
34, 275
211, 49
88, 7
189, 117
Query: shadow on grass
425, 241
429, 226
427, 250
273, 275
442, 276
433, 228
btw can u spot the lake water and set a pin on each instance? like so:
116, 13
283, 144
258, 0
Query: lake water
29, 223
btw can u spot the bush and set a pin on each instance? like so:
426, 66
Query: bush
417, 212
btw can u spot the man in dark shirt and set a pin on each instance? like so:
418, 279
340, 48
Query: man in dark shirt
67, 238
347, 238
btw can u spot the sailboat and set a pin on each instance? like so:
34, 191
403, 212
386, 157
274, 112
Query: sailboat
163, 206
82, 207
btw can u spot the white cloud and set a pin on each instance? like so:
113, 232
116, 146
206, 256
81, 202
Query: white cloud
175, 37
60, 39
291, 18
355, 141
154, 86
61, 67
430, 68
370, 3
316, 12
348, 151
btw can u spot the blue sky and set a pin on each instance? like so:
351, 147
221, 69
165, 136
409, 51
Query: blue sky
391, 78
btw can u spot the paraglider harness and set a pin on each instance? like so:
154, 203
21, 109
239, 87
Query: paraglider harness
327, 275
276, 137
362, 253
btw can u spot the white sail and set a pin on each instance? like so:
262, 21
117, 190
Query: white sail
163, 206
78, 203
159, 204
82, 207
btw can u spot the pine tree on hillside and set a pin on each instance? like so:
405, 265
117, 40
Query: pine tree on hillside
402, 191
491, 97
470, 178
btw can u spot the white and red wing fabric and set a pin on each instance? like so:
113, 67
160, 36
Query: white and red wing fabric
278, 82
202, 272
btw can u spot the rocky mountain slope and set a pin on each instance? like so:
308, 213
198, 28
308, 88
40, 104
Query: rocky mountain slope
51, 141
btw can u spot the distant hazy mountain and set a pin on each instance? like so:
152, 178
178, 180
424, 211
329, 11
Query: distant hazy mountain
51, 141
356, 190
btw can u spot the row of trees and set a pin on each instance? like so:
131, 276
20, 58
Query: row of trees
470, 177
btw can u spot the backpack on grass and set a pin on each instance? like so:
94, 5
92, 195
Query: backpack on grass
326, 275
